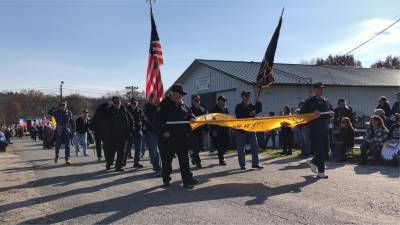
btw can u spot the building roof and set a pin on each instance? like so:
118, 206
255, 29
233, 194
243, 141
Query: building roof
306, 74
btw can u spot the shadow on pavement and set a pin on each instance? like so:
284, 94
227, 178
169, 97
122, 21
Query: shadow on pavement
391, 172
122, 207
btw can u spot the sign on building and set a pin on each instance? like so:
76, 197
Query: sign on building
202, 82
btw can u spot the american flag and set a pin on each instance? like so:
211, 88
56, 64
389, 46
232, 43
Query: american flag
154, 85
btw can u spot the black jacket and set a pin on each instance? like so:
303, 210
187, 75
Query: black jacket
243, 111
346, 136
199, 112
386, 108
219, 129
169, 111
342, 112
82, 126
106, 124
396, 108
320, 125
150, 117
137, 115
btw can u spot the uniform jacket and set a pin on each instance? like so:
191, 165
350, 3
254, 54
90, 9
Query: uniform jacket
170, 111
318, 104
219, 129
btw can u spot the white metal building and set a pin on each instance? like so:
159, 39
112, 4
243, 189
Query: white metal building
361, 87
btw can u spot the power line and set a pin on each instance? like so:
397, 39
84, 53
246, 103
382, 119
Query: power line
379, 33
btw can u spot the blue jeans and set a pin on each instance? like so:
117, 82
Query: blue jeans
65, 139
81, 139
152, 141
305, 144
241, 139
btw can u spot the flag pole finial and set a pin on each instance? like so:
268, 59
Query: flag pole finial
283, 10
151, 2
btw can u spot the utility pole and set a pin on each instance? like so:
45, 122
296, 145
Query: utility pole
61, 86
131, 89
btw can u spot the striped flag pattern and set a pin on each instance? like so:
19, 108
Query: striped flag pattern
154, 85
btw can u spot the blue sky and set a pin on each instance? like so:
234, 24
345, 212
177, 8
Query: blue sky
103, 45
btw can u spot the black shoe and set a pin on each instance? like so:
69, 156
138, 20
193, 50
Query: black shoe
199, 166
166, 182
284, 153
108, 167
137, 166
257, 167
56, 160
119, 170
243, 168
99, 159
289, 153
190, 184
67, 163
222, 163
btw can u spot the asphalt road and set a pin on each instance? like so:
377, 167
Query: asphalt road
35, 190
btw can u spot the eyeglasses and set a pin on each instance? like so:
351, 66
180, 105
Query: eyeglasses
196, 100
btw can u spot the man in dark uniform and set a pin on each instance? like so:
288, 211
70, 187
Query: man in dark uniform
247, 110
196, 139
118, 128
97, 124
319, 129
64, 130
137, 137
175, 136
219, 134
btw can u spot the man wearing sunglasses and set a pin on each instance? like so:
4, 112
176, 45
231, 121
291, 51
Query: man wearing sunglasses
198, 134
247, 110
175, 137
119, 127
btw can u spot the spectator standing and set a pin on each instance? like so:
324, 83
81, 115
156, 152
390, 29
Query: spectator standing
151, 135
287, 133
384, 104
342, 110
82, 127
396, 105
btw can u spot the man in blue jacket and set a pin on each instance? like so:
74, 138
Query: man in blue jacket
64, 130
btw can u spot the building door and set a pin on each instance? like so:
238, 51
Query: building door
208, 100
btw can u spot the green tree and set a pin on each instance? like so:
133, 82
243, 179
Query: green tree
338, 60
391, 62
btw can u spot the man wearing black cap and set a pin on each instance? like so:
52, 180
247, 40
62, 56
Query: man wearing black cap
137, 137
247, 110
319, 129
219, 134
176, 136
64, 130
119, 125
197, 135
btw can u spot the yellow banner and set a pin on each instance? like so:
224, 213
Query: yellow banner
260, 124
53, 122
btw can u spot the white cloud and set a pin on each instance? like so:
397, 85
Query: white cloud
381, 46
